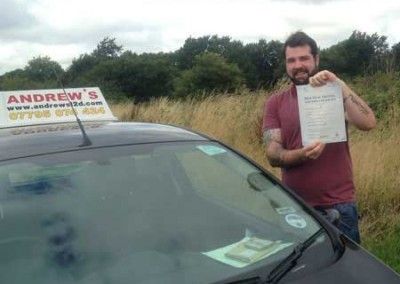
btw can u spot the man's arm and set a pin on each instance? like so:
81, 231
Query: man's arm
357, 111
280, 157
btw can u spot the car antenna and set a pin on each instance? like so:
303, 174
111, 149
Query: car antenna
86, 140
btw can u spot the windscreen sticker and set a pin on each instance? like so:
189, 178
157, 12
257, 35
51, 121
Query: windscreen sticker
285, 210
296, 221
211, 150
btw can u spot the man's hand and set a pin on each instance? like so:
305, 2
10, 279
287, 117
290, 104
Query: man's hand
314, 150
321, 78
280, 157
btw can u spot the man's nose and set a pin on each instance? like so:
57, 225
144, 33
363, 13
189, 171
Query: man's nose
297, 64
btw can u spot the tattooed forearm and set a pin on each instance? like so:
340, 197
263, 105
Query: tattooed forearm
277, 155
272, 139
361, 107
280, 157
357, 110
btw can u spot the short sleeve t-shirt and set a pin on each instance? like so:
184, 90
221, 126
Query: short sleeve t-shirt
325, 181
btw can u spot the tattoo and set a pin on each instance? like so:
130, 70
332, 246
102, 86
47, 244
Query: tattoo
272, 135
275, 150
355, 101
276, 158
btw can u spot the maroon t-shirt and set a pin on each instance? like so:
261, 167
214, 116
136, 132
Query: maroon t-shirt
325, 181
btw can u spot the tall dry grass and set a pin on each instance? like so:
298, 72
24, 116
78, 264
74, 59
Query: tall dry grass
236, 120
376, 159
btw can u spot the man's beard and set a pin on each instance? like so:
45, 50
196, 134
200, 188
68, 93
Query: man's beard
303, 81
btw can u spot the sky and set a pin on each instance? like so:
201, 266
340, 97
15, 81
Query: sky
65, 29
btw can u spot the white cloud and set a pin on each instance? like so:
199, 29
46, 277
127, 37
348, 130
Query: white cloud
65, 29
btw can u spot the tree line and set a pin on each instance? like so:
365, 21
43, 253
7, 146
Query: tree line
203, 65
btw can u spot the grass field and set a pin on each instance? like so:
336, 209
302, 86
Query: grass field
236, 120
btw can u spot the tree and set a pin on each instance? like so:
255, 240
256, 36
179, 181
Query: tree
79, 67
107, 48
138, 77
211, 72
262, 63
43, 69
147, 75
192, 47
17, 80
77, 73
396, 56
359, 54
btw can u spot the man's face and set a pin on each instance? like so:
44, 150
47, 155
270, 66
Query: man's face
300, 64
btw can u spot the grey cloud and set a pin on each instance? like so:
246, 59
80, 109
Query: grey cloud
151, 42
40, 34
388, 27
14, 15
328, 31
329, 38
137, 37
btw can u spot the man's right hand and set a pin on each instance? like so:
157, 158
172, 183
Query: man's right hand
278, 156
314, 150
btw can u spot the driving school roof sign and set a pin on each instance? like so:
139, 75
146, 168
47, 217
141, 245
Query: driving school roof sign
21, 108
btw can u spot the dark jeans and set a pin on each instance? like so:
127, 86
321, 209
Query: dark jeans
348, 222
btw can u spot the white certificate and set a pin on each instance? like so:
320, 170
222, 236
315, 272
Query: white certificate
321, 113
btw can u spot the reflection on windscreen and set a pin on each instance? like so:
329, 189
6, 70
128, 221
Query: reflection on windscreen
139, 214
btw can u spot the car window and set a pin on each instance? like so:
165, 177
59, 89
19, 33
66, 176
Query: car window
226, 177
189, 212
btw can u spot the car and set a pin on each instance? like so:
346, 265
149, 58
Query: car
102, 201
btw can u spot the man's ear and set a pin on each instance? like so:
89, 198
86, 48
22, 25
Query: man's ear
317, 60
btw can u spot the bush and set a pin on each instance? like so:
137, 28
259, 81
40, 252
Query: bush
381, 91
210, 73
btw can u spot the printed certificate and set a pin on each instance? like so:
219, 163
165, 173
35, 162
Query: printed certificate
321, 113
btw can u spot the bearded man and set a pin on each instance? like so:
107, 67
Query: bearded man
320, 174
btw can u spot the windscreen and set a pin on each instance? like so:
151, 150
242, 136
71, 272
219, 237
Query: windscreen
184, 212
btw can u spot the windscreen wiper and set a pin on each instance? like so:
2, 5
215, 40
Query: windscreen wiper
291, 260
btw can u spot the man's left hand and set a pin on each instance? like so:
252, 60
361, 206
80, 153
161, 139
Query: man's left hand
321, 78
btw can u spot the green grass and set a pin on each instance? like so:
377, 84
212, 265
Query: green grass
386, 248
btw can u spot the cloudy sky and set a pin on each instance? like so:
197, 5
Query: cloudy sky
64, 29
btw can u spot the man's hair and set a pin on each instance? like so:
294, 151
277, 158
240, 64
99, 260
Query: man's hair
300, 38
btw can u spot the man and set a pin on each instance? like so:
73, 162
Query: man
321, 174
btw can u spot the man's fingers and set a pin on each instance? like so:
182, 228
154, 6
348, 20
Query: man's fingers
319, 147
309, 151
321, 78
328, 76
317, 81
310, 147
312, 154
314, 150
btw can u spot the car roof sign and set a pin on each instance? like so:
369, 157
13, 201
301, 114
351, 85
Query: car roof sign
32, 107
